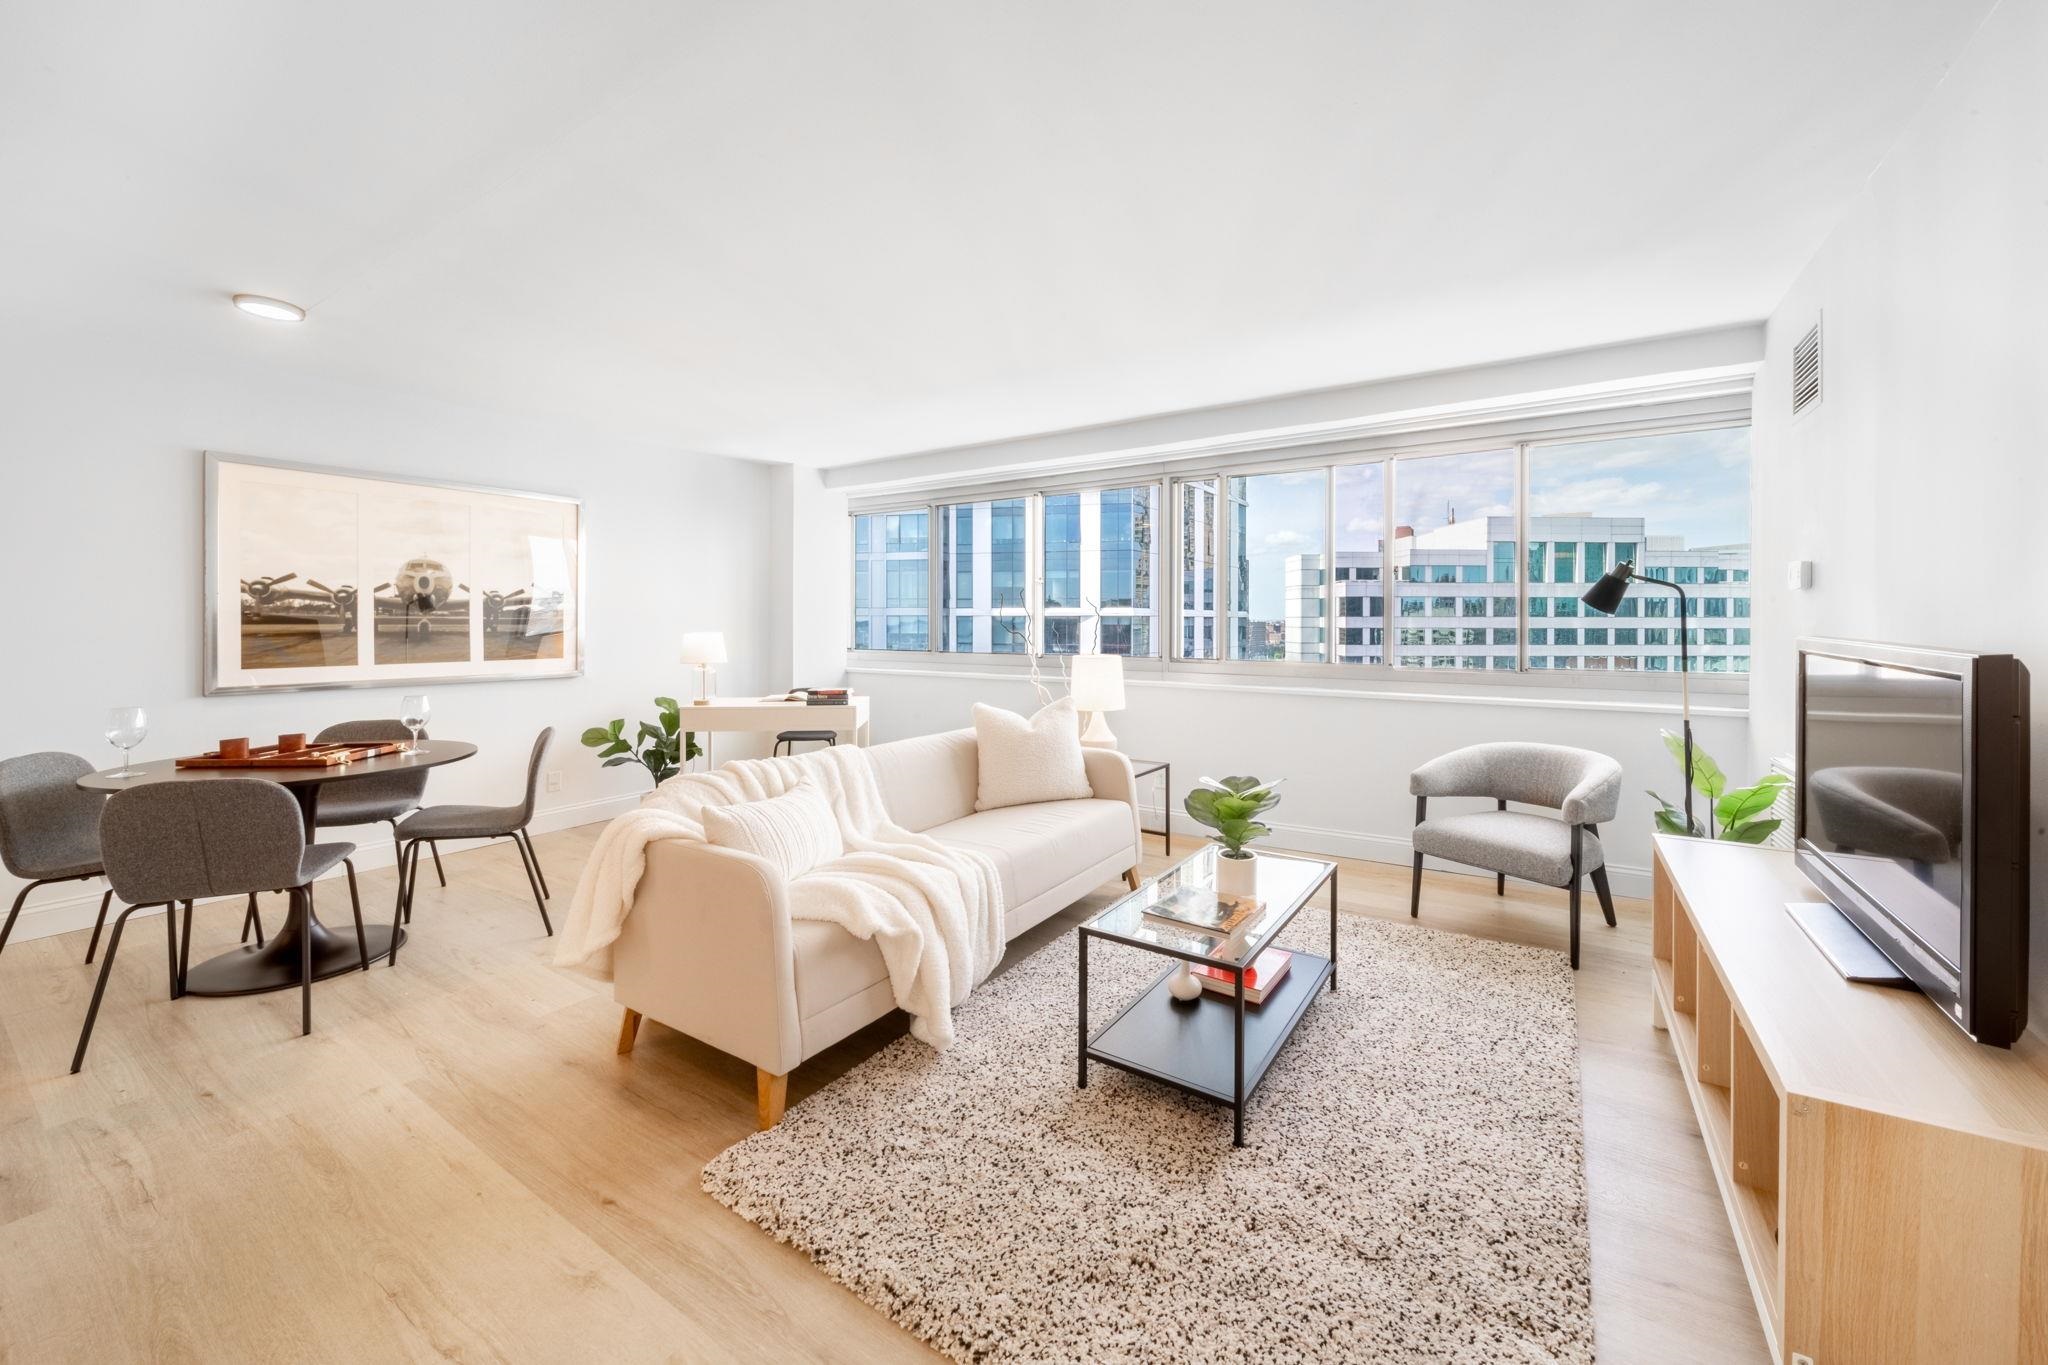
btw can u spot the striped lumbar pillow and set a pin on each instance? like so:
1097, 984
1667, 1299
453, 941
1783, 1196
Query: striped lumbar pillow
796, 830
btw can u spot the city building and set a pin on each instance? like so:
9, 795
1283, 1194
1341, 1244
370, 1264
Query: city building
1457, 604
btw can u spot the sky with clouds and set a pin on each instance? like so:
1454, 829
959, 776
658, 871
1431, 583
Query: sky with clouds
1692, 484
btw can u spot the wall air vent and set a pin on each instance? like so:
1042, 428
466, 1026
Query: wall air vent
1806, 371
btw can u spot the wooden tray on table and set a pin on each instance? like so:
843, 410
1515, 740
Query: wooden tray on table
312, 756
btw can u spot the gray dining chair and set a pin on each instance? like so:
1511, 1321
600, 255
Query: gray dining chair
49, 829
173, 843
474, 822
1583, 787
386, 798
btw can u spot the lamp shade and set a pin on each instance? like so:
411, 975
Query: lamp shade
1606, 595
1098, 683
704, 647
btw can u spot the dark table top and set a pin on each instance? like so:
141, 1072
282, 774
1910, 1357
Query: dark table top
433, 753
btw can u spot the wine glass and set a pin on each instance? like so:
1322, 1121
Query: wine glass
127, 726
413, 713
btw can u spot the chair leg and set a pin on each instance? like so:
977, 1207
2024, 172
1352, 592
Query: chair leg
304, 895
1606, 896
1577, 861
771, 1096
1415, 890
1500, 883
355, 904
538, 899
172, 965
99, 990
184, 954
252, 918
538, 871
97, 925
8, 928
629, 1029
434, 847
408, 861
1131, 878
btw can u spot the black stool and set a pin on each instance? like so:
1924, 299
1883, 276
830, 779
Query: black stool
796, 737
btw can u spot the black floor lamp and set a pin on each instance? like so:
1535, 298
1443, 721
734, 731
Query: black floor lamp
1605, 596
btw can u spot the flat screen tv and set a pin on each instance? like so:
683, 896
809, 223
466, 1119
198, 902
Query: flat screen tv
1913, 821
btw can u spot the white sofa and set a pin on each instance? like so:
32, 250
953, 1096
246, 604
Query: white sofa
710, 950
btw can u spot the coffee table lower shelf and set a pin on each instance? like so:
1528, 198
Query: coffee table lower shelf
1192, 1046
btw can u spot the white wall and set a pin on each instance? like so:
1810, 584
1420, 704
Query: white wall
100, 542
1916, 486
1346, 758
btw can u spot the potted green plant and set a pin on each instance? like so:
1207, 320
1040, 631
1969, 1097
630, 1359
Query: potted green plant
661, 746
1232, 808
1741, 815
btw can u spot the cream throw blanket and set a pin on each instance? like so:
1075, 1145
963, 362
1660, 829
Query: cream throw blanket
935, 912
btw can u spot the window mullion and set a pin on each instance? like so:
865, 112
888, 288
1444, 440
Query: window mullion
1522, 556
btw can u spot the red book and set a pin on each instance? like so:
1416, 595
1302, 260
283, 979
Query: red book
1266, 972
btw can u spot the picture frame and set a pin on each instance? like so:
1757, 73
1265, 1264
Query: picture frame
320, 577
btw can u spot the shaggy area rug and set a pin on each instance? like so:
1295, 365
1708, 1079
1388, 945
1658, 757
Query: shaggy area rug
1412, 1188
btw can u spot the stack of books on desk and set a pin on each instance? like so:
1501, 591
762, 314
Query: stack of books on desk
826, 696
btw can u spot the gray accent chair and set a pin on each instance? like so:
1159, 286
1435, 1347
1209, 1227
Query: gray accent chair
386, 798
1583, 787
173, 842
49, 829
435, 823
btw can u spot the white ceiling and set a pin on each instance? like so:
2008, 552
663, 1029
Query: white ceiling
832, 230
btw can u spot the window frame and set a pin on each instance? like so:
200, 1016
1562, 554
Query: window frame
1169, 595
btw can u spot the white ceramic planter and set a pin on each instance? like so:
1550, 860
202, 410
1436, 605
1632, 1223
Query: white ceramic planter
1237, 876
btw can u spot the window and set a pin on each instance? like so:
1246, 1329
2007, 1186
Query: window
1596, 561
1454, 521
891, 581
1272, 565
981, 577
1201, 529
1358, 501
1100, 563
1276, 604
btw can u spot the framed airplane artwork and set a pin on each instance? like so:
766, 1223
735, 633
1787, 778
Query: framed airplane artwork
331, 578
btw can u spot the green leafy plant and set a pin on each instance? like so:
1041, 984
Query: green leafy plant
1231, 808
661, 746
1738, 815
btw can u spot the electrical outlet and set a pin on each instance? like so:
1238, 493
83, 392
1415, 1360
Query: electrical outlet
554, 779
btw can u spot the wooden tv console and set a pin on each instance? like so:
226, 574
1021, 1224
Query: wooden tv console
1886, 1177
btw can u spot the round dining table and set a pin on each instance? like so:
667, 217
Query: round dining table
275, 965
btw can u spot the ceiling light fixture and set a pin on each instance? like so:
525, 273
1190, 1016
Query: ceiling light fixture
276, 310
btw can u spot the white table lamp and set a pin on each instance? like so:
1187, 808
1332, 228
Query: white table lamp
704, 648
1097, 687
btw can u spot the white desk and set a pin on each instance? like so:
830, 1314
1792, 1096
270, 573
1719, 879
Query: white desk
751, 715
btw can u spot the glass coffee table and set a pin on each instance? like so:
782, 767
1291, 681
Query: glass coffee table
1216, 1046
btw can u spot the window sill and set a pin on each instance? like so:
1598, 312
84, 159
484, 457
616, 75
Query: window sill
1714, 694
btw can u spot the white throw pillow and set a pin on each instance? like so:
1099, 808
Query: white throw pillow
796, 830
1025, 761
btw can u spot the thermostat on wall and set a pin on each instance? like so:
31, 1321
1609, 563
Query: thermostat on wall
1799, 575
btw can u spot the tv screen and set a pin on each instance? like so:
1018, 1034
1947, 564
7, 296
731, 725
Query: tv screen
1886, 751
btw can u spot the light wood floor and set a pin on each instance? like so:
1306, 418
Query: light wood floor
455, 1164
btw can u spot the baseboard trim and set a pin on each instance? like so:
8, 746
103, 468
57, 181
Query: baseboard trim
1374, 848
61, 914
